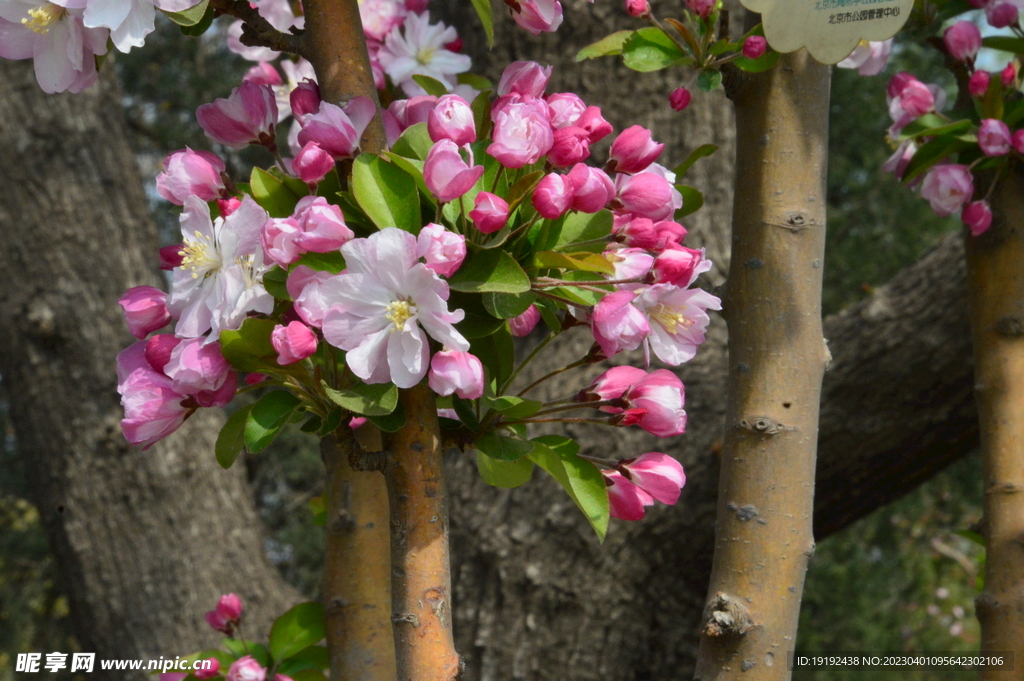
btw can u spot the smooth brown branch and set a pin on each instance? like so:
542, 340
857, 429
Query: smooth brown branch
421, 575
257, 31
996, 293
357, 597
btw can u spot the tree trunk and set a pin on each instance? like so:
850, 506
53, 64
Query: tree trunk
996, 290
777, 356
146, 541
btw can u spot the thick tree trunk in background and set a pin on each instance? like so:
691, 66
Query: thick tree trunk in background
536, 597
146, 540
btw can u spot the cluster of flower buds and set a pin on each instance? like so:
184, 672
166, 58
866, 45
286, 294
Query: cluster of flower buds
916, 110
636, 483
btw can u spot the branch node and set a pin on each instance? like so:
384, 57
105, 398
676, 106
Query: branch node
743, 513
763, 425
407, 618
725, 615
1010, 326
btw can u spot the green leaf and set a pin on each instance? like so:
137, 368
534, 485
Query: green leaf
547, 309
203, 25
577, 230
496, 352
513, 407
309, 675
924, 127
605, 47
507, 474
1005, 43
267, 417
709, 80
584, 262
386, 193
490, 270
191, 16
333, 262
762, 63
650, 49
695, 155
482, 115
693, 199
414, 142
389, 423
502, 447
474, 80
239, 648
971, 536
464, 410
377, 399
483, 10
581, 479
931, 153
508, 305
274, 281
232, 437
315, 655
249, 348
273, 195
318, 507
296, 630
721, 47
522, 188
432, 85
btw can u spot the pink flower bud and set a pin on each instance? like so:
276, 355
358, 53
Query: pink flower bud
254, 378
247, 116
754, 47
637, 8
994, 137
612, 384
594, 123
153, 409
1008, 75
159, 349
553, 195
640, 232
977, 216
702, 8
898, 162
204, 673
312, 163
647, 194
246, 669
658, 474
538, 16
1001, 14
452, 119
629, 263
522, 133
187, 173
357, 422
1018, 141
978, 84
303, 286
962, 40
626, 501
915, 99
571, 145
617, 324
230, 606
633, 150
171, 257
321, 224
679, 266
145, 310
565, 109
338, 130
414, 110
524, 78
199, 369
305, 99
948, 187
447, 176
278, 237
592, 188
454, 46
490, 212
293, 343
655, 403
441, 250
263, 73
680, 98
228, 206
453, 371
523, 324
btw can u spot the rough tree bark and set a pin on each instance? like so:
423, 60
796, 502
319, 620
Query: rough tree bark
996, 292
777, 356
146, 540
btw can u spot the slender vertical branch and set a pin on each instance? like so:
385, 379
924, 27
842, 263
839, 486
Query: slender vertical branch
995, 275
421, 576
335, 45
357, 597
777, 357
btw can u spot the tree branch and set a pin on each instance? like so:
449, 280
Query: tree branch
257, 31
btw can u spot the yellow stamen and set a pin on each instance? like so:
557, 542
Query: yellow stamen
425, 55
196, 255
43, 17
669, 318
399, 312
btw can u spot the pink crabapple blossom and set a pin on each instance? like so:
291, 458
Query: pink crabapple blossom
337, 130
213, 670
977, 216
963, 40
417, 47
869, 57
293, 343
592, 189
633, 150
677, 319
994, 137
247, 116
553, 195
637, 8
246, 669
522, 325
1008, 75
442, 251
658, 474
680, 98
452, 119
187, 173
947, 187
537, 16
978, 83
1018, 141
145, 310
617, 324
312, 163
754, 47
490, 212
524, 78
446, 174
522, 133
626, 501
453, 371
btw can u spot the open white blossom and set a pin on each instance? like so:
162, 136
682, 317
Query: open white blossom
418, 48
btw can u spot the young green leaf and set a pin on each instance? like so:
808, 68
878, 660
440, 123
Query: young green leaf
762, 63
581, 479
508, 305
249, 348
650, 49
296, 630
231, 439
377, 399
432, 85
389, 423
709, 79
695, 155
513, 407
584, 262
1005, 43
507, 474
333, 262
693, 199
386, 193
490, 270
202, 26
273, 195
605, 47
931, 153
191, 16
483, 10
502, 447
274, 280
267, 417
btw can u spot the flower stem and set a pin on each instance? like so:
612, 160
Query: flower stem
577, 363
